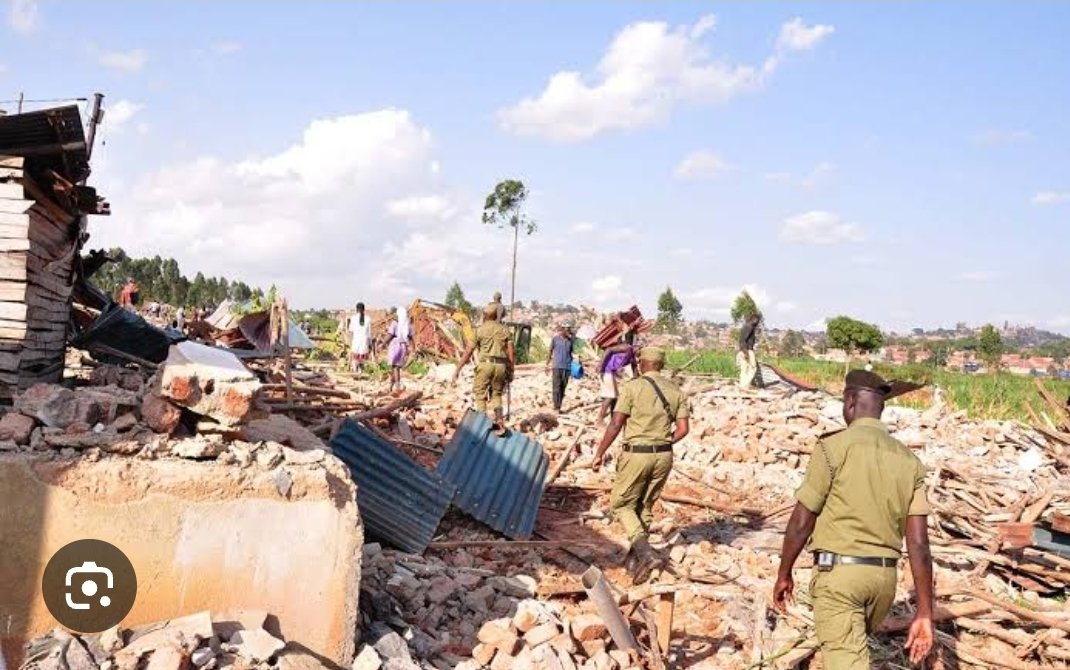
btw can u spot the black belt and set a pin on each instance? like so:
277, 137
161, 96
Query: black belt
647, 448
853, 560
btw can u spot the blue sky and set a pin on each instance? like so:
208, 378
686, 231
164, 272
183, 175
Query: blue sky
905, 163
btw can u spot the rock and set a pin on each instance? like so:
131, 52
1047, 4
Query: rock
202, 657
284, 482
541, 634
269, 456
209, 382
528, 615
389, 645
124, 447
283, 430
168, 657
17, 428
483, 654
257, 644
519, 586
293, 659
621, 657
159, 414
499, 634
52, 405
587, 627
592, 648
111, 640
502, 661
125, 422
440, 590
199, 447
367, 659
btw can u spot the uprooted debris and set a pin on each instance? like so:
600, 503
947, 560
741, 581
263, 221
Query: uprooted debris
224, 642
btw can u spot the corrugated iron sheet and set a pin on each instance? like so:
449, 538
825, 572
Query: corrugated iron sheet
400, 502
53, 138
499, 481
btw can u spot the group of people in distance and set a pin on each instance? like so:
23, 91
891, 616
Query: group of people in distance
362, 346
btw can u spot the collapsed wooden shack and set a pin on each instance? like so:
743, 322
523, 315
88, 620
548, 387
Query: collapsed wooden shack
44, 161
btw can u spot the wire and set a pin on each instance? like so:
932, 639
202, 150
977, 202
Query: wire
16, 101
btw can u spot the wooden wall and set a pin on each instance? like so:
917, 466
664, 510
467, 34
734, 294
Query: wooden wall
38, 243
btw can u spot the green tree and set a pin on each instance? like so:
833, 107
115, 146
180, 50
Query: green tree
853, 336
990, 345
504, 208
792, 345
455, 299
744, 307
670, 311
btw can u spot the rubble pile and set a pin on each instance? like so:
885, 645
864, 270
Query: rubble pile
196, 642
719, 526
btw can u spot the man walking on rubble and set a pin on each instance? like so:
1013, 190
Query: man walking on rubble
653, 413
863, 492
559, 362
745, 359
497, 358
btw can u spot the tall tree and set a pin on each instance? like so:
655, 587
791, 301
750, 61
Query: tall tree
504, 208
670, 311
455, 298
744, 307
792, 345
990, 345
853, 336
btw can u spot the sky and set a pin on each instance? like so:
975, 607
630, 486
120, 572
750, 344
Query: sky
903, 163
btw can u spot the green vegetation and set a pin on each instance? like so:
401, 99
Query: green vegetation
670, 311
455, 298
986, 396
503, 208
990, 345
161, 280
792, 345
852, 335
744, 307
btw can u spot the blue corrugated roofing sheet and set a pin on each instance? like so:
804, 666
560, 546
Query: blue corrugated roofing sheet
400, 502
499, 481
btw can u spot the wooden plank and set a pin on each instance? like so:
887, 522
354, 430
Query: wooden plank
15, 206
12, 190
14, 244
10, 173
12, 291
9, 219
47, 201
15, 311
12, 161
60, 229
14, 232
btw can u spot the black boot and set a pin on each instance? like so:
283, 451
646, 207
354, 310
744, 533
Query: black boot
643, 560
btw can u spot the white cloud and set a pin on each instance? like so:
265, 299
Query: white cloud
607, 290
3, 68
123, 61
820, 228
995, 137
862, 259
1051, 198
118, 115
786, 306
795, 35
583, 227
23, 16
648, 70
701, 165
978, 276
422, 207
226, 48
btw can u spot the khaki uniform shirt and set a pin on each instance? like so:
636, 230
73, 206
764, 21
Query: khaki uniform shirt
492, 340
647, 422
863, 484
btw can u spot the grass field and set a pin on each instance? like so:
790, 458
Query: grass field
988, 396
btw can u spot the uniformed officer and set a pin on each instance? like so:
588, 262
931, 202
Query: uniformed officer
863, 492
496, 361
653, 413
496, 303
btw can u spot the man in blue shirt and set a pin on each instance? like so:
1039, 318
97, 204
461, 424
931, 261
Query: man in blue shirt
561, 361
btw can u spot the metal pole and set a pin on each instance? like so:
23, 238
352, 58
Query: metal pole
22, 96
594, 582
95, 117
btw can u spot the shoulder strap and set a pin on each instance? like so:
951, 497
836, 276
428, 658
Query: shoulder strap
662, 398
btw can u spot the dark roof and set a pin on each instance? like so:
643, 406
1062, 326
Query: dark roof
53, 139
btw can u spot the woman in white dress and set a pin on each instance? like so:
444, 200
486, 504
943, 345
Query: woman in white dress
360, 329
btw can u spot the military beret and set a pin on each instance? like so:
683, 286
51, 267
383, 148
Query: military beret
652, 354
864, 380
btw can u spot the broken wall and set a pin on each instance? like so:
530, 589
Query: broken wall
281, 535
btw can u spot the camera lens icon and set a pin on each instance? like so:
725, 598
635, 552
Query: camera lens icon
89, 586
